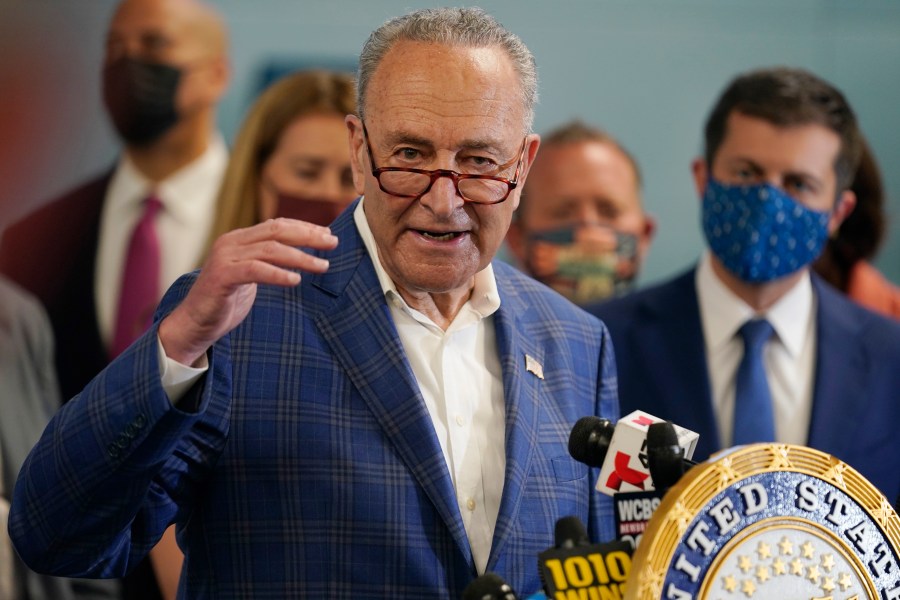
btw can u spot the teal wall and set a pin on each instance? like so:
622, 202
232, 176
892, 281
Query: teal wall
647, 70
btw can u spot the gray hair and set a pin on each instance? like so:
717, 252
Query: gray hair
468, 27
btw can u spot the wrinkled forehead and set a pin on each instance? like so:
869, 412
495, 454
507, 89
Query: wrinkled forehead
446, 91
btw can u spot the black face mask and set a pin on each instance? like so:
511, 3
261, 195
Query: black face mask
140, 98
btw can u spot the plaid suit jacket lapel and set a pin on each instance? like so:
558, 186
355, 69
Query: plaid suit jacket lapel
522, 390
355, 321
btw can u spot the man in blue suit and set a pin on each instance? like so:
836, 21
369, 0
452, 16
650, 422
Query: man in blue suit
390, 424
781, 149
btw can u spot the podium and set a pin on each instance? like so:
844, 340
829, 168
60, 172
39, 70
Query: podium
769, 522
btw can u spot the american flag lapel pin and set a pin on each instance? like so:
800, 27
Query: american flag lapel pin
533, 366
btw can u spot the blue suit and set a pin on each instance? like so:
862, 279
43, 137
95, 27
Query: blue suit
662, 369
310, 467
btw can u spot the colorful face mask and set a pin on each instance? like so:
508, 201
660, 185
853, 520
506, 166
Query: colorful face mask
312, 210
759, 232
140, 98
585, 264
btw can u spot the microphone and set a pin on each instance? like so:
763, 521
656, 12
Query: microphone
575, 568
590, 439
570, 532
665, 456
622, 452
489, 586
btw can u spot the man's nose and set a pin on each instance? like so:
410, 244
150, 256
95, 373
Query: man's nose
774, 179
442, 199
587, 214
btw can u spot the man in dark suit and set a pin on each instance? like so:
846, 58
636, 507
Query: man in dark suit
164, 72
781, 149
390, 424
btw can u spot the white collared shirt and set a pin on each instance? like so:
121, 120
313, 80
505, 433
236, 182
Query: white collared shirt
183, 224
461, 380
789, 356
459, 375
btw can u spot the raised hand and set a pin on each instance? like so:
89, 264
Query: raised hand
225, 289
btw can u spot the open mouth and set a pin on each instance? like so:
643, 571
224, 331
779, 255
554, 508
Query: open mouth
440, 237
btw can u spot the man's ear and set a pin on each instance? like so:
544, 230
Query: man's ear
701, 174
222, 74
533, 142
844, 205
356, 139
646, 237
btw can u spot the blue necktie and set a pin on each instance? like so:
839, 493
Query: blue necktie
753, 417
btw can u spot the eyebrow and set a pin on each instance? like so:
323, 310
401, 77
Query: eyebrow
759, 168
403, 137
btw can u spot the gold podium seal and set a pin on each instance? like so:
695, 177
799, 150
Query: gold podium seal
769, 522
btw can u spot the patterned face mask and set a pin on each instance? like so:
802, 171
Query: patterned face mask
586, 263
759, 232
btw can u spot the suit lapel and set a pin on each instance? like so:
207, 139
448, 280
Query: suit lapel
521, 389
355, 321
670, 332
839, 394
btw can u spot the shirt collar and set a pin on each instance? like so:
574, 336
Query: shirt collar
722, 312
485, 299
129, 186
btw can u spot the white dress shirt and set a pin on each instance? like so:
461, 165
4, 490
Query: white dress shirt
183, 224
789, 356
460, 377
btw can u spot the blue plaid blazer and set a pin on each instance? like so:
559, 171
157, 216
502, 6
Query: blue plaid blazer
310, 467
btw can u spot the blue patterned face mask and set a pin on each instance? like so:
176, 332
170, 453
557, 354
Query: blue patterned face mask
759, 232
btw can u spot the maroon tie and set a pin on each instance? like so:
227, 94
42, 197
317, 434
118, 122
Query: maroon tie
140, 280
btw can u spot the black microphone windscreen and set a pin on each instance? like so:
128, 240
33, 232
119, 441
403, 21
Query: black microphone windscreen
590, 440
570, 532
661, 434
489, 586
665, 458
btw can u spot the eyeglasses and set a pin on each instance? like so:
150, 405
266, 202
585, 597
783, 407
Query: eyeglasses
414, 183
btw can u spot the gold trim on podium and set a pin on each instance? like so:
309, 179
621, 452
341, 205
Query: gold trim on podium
694, 493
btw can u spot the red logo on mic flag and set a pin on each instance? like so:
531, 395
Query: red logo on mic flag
625, 473
643, 420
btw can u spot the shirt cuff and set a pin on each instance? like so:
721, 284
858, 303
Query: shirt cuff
177, 378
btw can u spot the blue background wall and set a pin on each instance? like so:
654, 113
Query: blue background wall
647, 70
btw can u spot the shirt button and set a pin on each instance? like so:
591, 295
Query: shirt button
470, 504
460, 420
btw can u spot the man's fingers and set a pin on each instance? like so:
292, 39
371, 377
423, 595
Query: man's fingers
267, 253
287, 231
282, 255
267, 262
